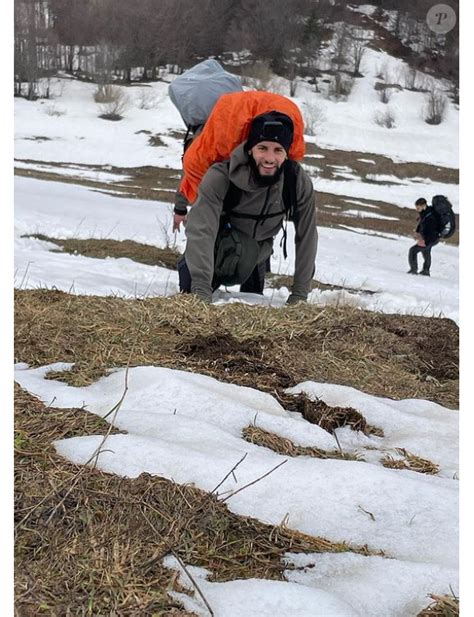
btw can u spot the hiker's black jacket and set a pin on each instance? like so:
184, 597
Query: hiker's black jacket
205, 215
428, 226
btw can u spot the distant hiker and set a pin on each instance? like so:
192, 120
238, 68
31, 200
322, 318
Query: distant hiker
435, 222
241, 205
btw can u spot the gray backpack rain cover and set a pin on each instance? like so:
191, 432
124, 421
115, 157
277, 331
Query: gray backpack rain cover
195, 92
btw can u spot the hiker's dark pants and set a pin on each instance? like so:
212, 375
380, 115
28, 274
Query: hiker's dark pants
426, 253
256, 281
254, 284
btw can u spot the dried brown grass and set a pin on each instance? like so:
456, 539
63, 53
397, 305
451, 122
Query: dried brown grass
89, 543
442, 606
281, 445
396, 356
101, 248
410, 462
148, 183
381, 165
327, 417
94, 545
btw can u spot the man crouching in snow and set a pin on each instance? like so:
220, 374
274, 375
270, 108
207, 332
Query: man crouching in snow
240, 209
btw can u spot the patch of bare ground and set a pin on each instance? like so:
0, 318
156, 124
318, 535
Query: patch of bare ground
395, 356
156, 141
442, 606
39, 138
333, 209
102, 248
366, 164
177, 135
327, 417
160, 184
89, 543
147, 183
333, 212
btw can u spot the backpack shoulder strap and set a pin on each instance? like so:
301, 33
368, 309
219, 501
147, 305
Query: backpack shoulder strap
232, 198
290, 172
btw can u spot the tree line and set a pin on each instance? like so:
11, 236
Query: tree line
107, 40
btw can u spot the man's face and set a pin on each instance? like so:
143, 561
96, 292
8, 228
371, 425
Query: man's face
269, 156
420, 207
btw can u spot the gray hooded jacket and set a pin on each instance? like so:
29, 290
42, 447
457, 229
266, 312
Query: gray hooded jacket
204, 218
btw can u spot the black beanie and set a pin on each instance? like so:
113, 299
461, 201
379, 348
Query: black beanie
271, 126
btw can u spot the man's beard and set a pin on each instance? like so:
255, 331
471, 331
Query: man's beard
264, 180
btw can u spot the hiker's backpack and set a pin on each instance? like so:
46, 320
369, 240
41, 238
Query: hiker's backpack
228, 126
445, 216
195, 92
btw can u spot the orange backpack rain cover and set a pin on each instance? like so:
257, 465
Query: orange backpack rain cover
228, 126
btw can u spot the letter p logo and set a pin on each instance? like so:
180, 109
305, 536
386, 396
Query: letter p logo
441, 18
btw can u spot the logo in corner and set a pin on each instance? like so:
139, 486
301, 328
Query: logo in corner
441, 18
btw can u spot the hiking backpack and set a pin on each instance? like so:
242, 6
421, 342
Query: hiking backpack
228, 126
195, 92
444, 213
218, 114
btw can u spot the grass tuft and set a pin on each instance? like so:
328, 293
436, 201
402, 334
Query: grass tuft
410, 462
442, 606
281, 445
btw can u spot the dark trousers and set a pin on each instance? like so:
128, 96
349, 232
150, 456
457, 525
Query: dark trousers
425, 252
254, 284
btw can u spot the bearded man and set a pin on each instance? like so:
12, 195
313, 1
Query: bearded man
242, 205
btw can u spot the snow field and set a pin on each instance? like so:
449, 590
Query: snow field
187, 427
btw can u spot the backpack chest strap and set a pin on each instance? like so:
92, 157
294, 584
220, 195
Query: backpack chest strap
258, 217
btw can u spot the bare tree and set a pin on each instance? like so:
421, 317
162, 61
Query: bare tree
30, 33
435, 107
105, 62
271, 35
341, 86
340, 46
357, 51
410, 75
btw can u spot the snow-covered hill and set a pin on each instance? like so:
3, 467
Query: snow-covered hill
188, 427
